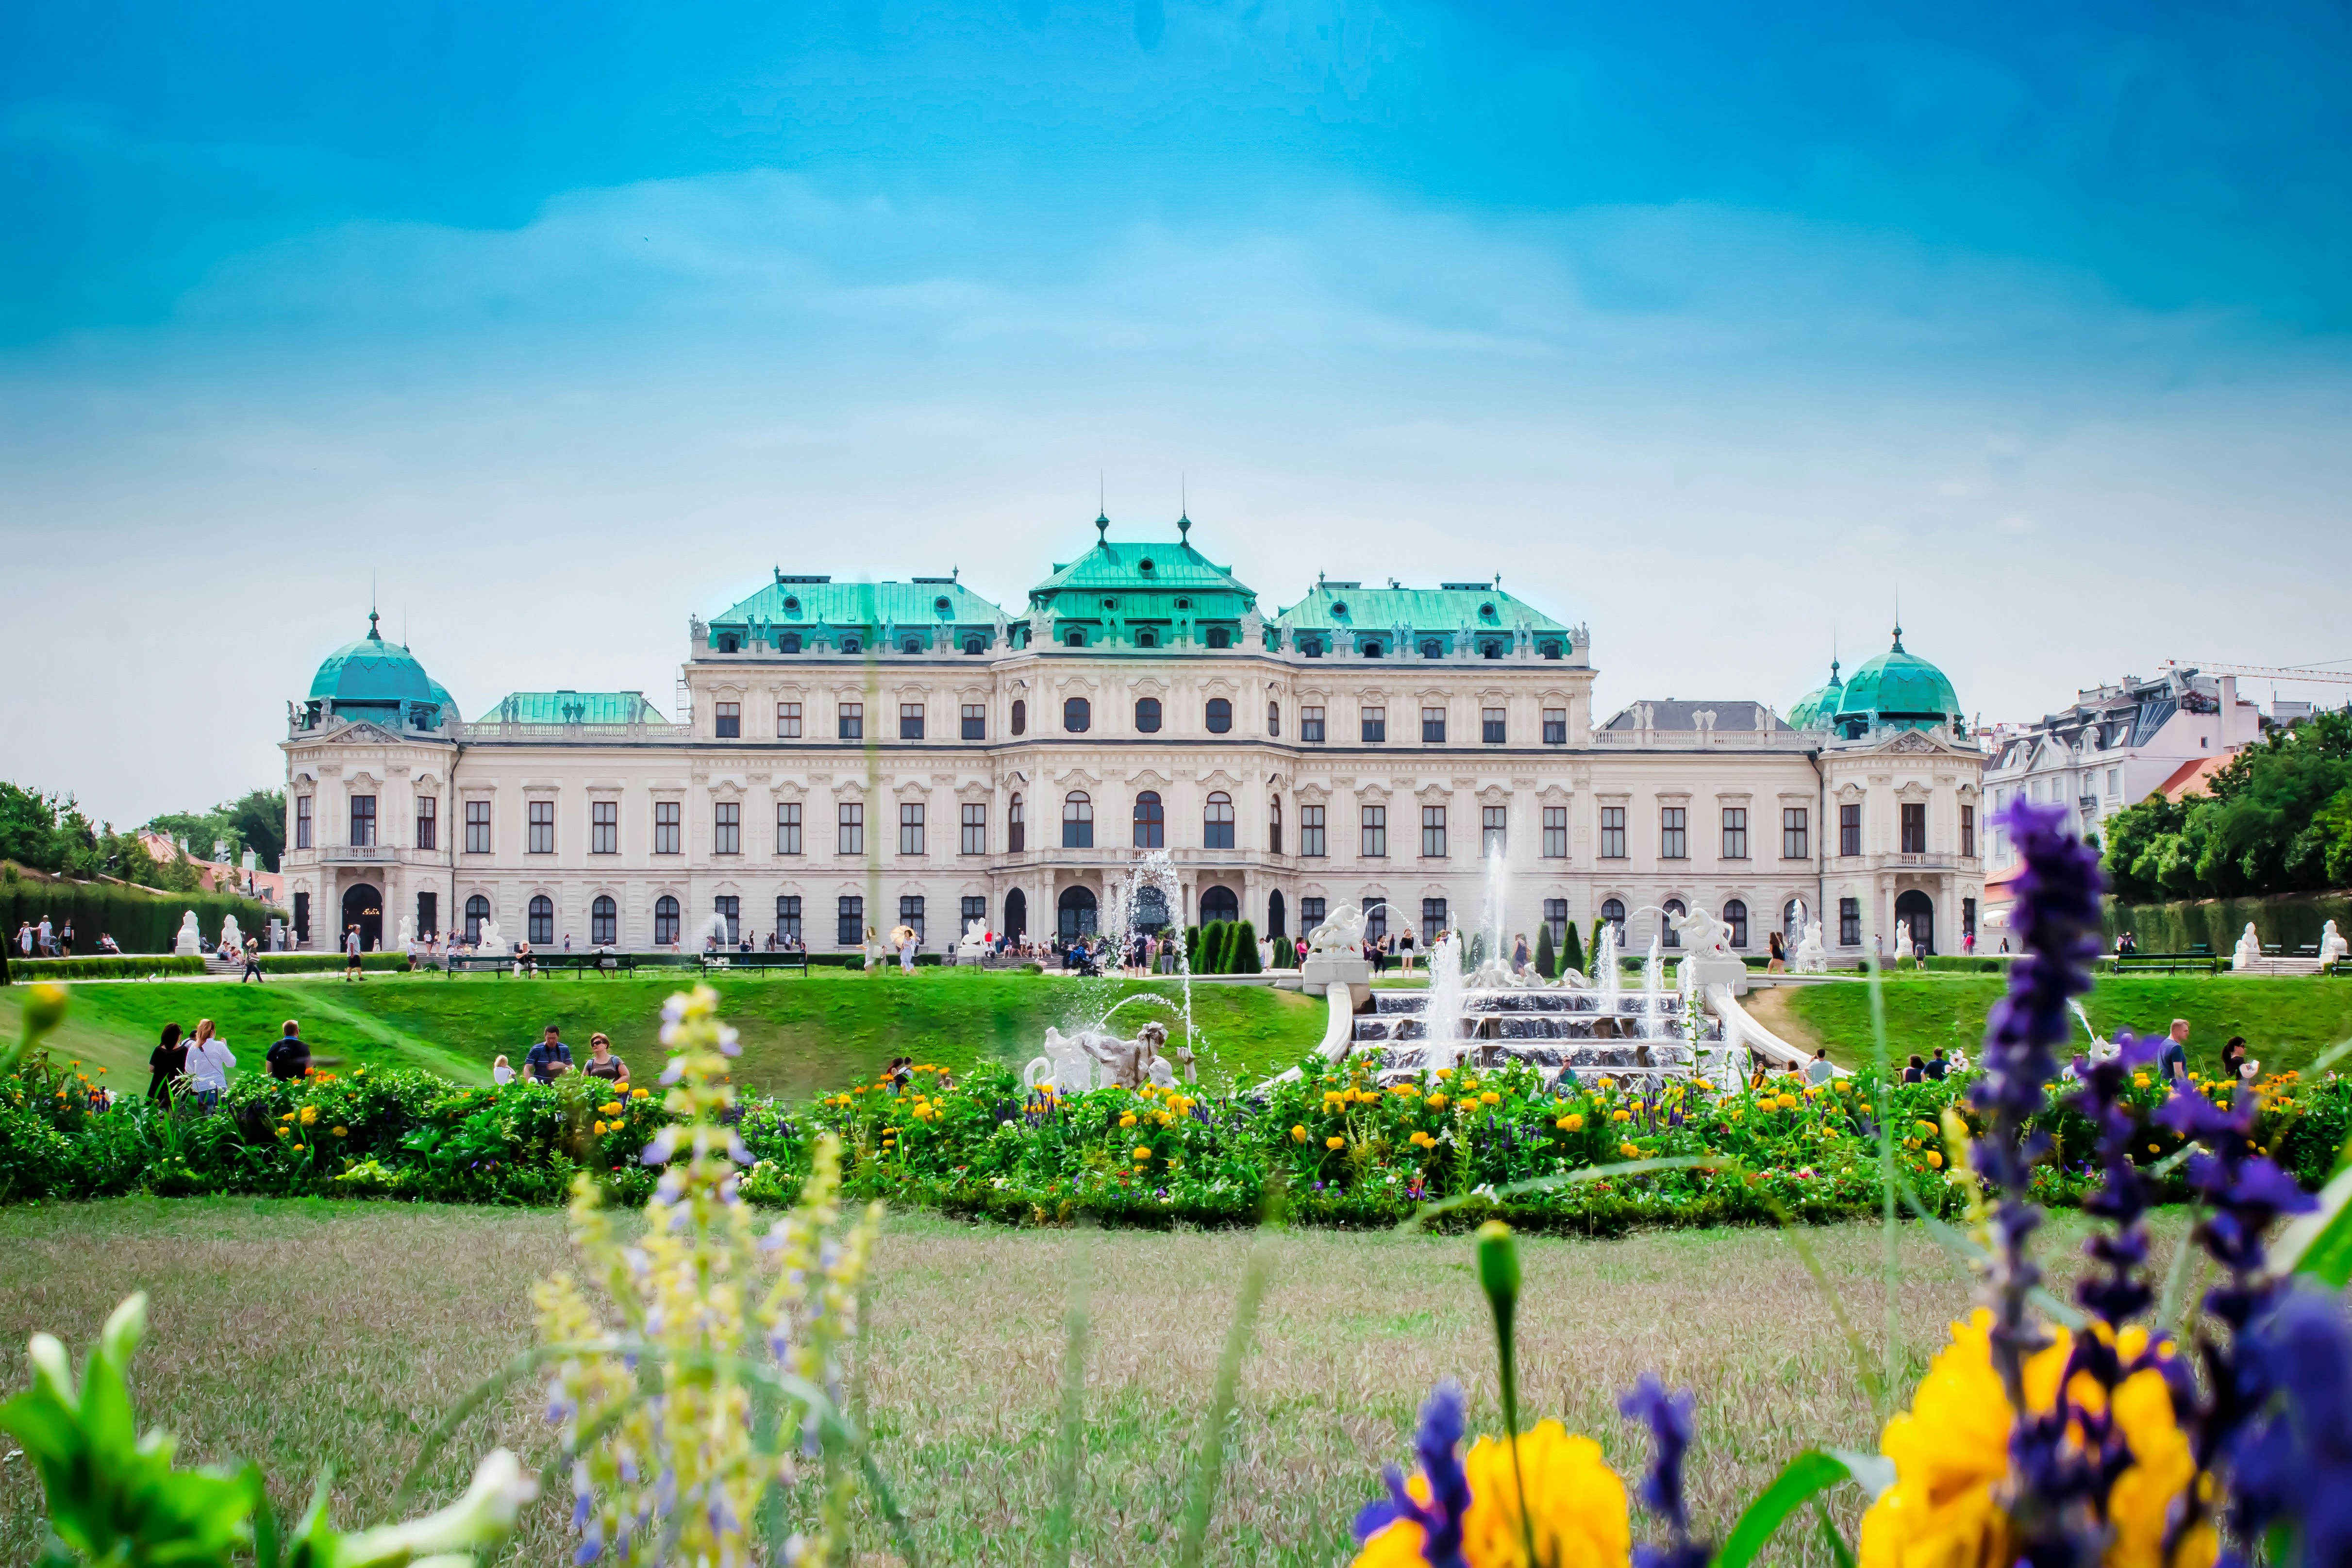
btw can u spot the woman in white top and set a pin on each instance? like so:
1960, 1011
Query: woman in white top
209, 1061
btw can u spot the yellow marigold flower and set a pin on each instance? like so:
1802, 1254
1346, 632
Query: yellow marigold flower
1935, 1159
343, 1131
1629, 1150
1436, 1102
1490, 1098
2139, 1081
612, 1110
1621, 1116
1926, 1128
1573, 1121
1127, 1119
642, 1093
1787, 1103
310, 1114
297, 1148
1299, 1135
1444, 1072
597, 1128
1141, 1153
1609, 1083
1579, 1514
282, 1133
1335, 1142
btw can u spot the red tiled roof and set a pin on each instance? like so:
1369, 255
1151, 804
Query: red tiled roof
2189, 777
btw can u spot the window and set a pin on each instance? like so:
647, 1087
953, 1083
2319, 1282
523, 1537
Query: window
1968, 917
1016, 829
1613, 913
1734, 915
1310, 837
1078, 821
1376, 918
1077, 716
1376, 830
1735, 833
1310, 724
788, 827
478, 909
727, 827
1494, 830
362, 820
1147, 637
542, 828
1793, 832
1555, 919
1555, 832
1850, 829
849, 831
974, 910
1220, 636
1969, 829
730, 721
852, 721
1490, 649
2114, 780
1311, 914
1491, 726
911, 721
1150, 822
1432, 648
729, 908
1432, 725
1612, 833
1674, 835
603, 921
1273, 825
789, 642
667, 817
1433, 832
428, 914
1555, 726
1274, 717
1673, 911
542, 921
1020, 717
302, 822
1217, 822
604, 827
665, 921
1312, 648
849, 928
1433, 920
910, 827
1146, 715
1369, 650
910, 915
975, 828
851, 644
1376, 723
1074, 637
975, 722
788, 721
478, 827
1849, 922
788, 918
1221, 716
429, 822
1550, 651
1915, 827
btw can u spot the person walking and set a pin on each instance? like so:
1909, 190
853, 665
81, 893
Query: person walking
24, 938
209, 1061
166, 1063
351, 956
2175, 1060
1520, 953
549, 1059
1779, 953
65, 939
289, 1058
602, 1063
47, 937
252, 963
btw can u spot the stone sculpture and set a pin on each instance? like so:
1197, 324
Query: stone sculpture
1340, 935
1813, 958
1703, 936
1903, 948
190, 941
2249, 950
407, 934
2332, 945
1068, 1067
489, 940
974, 945
232, 937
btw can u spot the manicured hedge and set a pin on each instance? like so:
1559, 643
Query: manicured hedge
137, 966
139, 923
2288, 921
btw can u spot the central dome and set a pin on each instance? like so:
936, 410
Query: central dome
1898, 689
376, 679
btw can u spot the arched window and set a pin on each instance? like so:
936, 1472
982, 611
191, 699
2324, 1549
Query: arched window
1220, 636
1074, 637
1274, 717
1078, 821
1432, 648
1613, 912
1792, 924
1273, 824
1146, 715
1078, 915
1150, 909
851, 644
1016, 827
1221, 716
542, 920
1147, 637
1551, 650
1370, 649
1217, 822
912, 645
1490, 649
1734, 915
1274, 919
974, 645
603, 921
478, 909
727, 643
789, 642
1077, 716
1150, 822
665, 921
1668, 935
1311, 647
1219, 904
1020, 717
1017, 914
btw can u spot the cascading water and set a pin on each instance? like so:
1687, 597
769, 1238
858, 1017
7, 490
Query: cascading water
1605, 967
1442, 1018
1653, 981
1129, 907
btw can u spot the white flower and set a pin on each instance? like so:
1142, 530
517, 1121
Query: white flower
484, 1516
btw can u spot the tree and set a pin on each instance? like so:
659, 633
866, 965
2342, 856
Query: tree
1547, 960
1573, 958
1193, 949
1592, 948
2267, 825
1243, 953
28, 827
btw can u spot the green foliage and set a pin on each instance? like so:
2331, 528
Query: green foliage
1592, 950
1216, 945
1242, 958
1193, 949
255, 821
139, 921
2278, 819
1573, 956
1547, 960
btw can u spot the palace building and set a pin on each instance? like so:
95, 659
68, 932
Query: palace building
912, 744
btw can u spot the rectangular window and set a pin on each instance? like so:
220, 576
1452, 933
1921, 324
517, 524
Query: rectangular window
729, 908
1310, 724
302, 822
730, 721
478, 827
788, 919
362, 821
667, 814
1735, 833
910, 915
1433, 725
1376, 920
1850, 829
851, 838
1556, 921
428, 914
1274, 717
788, 827
1674, 835
975, 828
1491, 726
910, 827
1376, 830
975, 722
604, 827
1376, 723
1310, 913
727, 827
850, 928
911, 721
1968, 830
1017, 827
1555, 726
1432, 919
1849, 922
429, 822
1494, 830
1793, 832
853, 721
788, 721
542, 828
1433, 832
1915, 827
1612, 833
2114, 780
1310, 835
1555, 832
1968, 917
973, 910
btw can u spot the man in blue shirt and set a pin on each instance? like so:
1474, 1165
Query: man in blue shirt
2175, 1061
549, 1059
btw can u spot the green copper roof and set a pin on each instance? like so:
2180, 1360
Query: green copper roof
574, 708
1146, 566
1816, 708
375, 675
805, 602
1899, 690
1446, 608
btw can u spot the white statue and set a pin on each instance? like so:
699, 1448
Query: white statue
1339, 935
489, 940
2332, 945
190, 940
2249, 950
232, 938
1813, 958
1703, 936
1067, 1066
407, 933
1903, 948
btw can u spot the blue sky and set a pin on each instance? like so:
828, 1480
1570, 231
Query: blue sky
1717, 326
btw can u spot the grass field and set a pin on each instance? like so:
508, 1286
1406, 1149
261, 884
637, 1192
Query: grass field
801, 1035
305, 1335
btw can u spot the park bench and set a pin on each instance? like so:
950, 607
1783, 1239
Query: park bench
2168, 963
799, 961
578, 964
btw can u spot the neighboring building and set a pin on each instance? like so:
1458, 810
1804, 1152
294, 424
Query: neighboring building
1364, 745
269, 887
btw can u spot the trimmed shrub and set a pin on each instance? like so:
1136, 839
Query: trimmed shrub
139, 923
1573, 956
1547, 960
1242, 956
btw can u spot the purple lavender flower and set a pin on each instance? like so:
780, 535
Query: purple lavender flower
2295, 1462
2121, 1293
1668, 1417
1439, 1444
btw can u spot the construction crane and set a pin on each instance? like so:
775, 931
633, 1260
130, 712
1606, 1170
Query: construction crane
2260, 672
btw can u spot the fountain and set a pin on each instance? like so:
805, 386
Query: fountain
1653, 975
1440, 1020
1604, 966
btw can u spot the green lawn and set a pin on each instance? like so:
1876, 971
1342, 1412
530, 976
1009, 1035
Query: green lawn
801, 1035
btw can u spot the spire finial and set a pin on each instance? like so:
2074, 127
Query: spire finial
1183, 508
1898, 619
373, 635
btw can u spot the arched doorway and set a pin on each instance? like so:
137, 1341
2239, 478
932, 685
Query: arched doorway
1078, 913
1273, 914
363, 907
1915, 910
1150, 909
1017, 914
1218, 903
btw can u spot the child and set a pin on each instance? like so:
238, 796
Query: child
500, 1072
